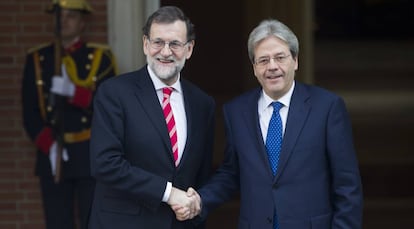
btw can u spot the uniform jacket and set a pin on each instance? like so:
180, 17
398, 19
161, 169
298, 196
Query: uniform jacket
131, 155
317, 184
88, 64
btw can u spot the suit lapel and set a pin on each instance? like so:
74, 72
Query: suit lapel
251, 115
190, 113
298, 112
147, 97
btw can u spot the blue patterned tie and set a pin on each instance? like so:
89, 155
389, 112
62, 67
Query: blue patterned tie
274, 137
274, 144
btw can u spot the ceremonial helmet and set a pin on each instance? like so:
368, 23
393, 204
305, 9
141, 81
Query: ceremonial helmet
81, 5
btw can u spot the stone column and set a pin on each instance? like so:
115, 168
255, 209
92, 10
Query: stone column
125, 21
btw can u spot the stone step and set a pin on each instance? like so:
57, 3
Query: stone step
364, 64
383, 125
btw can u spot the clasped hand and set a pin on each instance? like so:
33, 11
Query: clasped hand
186, 205
62, 85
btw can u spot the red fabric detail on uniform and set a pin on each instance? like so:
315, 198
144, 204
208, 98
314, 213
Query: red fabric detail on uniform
73, 47
44, 140
82, 97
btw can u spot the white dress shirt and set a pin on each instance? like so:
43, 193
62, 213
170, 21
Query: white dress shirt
180, 118
265, 110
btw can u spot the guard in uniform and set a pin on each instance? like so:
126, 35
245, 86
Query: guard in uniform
84, 66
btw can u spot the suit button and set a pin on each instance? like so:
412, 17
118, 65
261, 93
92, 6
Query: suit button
84, 119
269, 219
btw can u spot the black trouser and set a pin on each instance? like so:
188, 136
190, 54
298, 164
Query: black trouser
63, 200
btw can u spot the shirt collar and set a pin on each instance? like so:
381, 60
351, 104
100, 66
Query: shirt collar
159, 85
266, 101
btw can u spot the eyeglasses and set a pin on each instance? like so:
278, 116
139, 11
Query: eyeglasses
263, 61
158, 44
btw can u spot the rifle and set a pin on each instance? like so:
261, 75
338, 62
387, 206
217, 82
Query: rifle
56, 100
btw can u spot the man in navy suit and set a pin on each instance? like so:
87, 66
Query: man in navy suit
138, 175
317, 182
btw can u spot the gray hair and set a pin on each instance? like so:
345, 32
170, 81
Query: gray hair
268, 28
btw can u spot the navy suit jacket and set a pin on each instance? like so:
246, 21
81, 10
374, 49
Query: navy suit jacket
317, 184
131, 155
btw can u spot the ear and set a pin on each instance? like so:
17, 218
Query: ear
296, 63
254, 70
145, 44
190, 48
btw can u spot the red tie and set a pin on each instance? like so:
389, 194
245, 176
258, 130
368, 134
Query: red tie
169, 119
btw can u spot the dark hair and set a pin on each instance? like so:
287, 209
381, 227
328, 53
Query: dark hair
166, 15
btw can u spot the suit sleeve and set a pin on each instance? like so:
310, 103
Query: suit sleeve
206, 167
108, 163
347, 188
225, 181
33, 122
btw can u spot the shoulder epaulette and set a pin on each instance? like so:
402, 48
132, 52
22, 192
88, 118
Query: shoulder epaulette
97, 45
37, 47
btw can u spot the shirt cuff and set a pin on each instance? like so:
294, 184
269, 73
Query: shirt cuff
167, 192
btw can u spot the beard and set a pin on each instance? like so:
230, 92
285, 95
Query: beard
165, 73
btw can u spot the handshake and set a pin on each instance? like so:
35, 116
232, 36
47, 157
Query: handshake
186, 205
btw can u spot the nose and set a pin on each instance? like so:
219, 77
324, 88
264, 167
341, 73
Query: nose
166, 51
273, 64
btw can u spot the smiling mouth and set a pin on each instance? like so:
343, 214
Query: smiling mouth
165, 61
273, 77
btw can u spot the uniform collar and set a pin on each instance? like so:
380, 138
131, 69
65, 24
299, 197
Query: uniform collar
76, 44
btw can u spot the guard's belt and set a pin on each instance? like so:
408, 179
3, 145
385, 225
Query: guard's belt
73, 137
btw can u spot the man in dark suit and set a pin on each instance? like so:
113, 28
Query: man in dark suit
85, 66
141, 160
311, 179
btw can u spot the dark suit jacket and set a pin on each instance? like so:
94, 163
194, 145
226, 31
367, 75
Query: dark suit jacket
317, 184
131, 155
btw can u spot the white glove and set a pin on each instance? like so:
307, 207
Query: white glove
53, 154
62, 85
